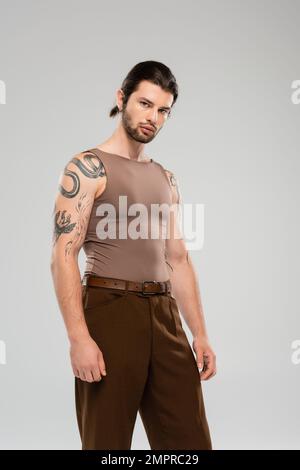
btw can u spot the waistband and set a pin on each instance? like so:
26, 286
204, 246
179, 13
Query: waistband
145, 287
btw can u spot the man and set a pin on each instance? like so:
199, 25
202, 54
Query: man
128, 349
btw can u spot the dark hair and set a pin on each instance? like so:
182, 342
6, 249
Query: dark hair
150, 70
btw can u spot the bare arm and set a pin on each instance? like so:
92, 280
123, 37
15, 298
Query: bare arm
79, 184
185, 287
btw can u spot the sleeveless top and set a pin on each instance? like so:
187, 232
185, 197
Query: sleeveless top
123, 256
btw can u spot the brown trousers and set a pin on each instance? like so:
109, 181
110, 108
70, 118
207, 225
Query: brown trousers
151, 368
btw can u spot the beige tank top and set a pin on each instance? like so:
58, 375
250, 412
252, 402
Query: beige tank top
128, 257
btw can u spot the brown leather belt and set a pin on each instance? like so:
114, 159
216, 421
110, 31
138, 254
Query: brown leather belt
145, 287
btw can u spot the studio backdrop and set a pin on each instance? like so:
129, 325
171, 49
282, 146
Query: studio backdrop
233, 142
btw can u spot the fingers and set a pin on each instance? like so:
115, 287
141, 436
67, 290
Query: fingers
75, 371
102, 365
207, 374
83, 375
209, 369
96, 374
87, 360
89, 375
92, 374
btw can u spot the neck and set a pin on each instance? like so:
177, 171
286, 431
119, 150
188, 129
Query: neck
120, 144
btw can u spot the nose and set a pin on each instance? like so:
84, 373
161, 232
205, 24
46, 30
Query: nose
152, 117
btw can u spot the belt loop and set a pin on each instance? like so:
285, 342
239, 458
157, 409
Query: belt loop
126, 287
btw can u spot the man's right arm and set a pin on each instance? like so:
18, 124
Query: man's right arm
81, 179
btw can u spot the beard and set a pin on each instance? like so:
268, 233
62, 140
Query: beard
134, 132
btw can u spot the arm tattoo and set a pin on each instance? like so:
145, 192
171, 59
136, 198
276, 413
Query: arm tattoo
63, 225
82, 222
172, 180
187, 259
174, 183
92, 172
170, 266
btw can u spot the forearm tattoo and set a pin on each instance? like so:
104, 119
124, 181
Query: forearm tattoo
89, 169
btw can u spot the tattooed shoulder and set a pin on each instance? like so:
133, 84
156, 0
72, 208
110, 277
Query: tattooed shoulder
87, 164
171, 178
75, 198
174, 185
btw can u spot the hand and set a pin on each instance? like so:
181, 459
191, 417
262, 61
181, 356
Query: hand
87, 360
204, 354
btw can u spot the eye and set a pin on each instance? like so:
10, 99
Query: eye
164, 111
144, 102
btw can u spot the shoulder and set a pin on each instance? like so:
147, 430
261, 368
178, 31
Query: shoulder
86, 163
169, 174
172, 182
83, 172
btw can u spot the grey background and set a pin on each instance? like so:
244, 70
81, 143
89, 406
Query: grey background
233, 142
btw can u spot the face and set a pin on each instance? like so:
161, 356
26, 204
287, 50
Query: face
150, 106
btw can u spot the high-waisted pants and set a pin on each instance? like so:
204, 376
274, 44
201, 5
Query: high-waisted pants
151, 369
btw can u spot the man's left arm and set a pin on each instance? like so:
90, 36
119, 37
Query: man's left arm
185, 286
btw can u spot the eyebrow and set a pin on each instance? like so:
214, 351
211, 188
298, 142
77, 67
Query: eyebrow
146, 99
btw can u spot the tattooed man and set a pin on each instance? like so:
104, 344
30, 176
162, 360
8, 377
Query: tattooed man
128, 349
